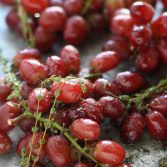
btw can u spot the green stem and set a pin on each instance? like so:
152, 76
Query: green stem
139, 98
91, 76
64, 131
86, 7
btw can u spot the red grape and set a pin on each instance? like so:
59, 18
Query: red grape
32, 71
162, 48
159, 104
25, 54
156, 125
132, 128
159, 27
26, 143
91, 109
44, 40
33, 6
121, 24
5, 143
56, 66
5, 90
103, 87
71, 58
26, 90
142, 12
27, 124
7, 111
48, 17
105, 61
109, 152
147, 59
70, 90
75, 30
112, 107
73, 7
39, 100
58, 151
96, 6
140, 36
85, 129
129, 82
119, 45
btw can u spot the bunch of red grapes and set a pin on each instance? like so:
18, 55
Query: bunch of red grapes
80, 103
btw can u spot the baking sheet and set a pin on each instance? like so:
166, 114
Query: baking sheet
143, 154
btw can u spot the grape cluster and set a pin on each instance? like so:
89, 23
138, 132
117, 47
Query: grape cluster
60, 109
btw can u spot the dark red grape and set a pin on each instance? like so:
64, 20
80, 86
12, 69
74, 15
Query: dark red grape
44, 40
132, 128
156, 125
159, 27
26, 90
103, 87
159, 104
147, 59
140, 36
5, 143
119, 45
112, 107
129, 82
27, 124
162, 48
142, 12
5, 90
73, 7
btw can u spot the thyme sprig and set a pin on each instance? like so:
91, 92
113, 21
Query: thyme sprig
25, 26
139, 98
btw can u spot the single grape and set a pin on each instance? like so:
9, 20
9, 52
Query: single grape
8, 111
32, 71
109, 152
48, 17
71, 58
76, 30
159, 104
56, 66
70, 90
5, 142
26, 143
39, 100
58, 151
156, 125
85, 129
112, 107
147, 60
129, 82
132, 128
142, 12
33, 7
105, 61
73, 7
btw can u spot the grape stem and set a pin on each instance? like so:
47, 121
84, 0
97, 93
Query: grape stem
56, 126
139, 98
